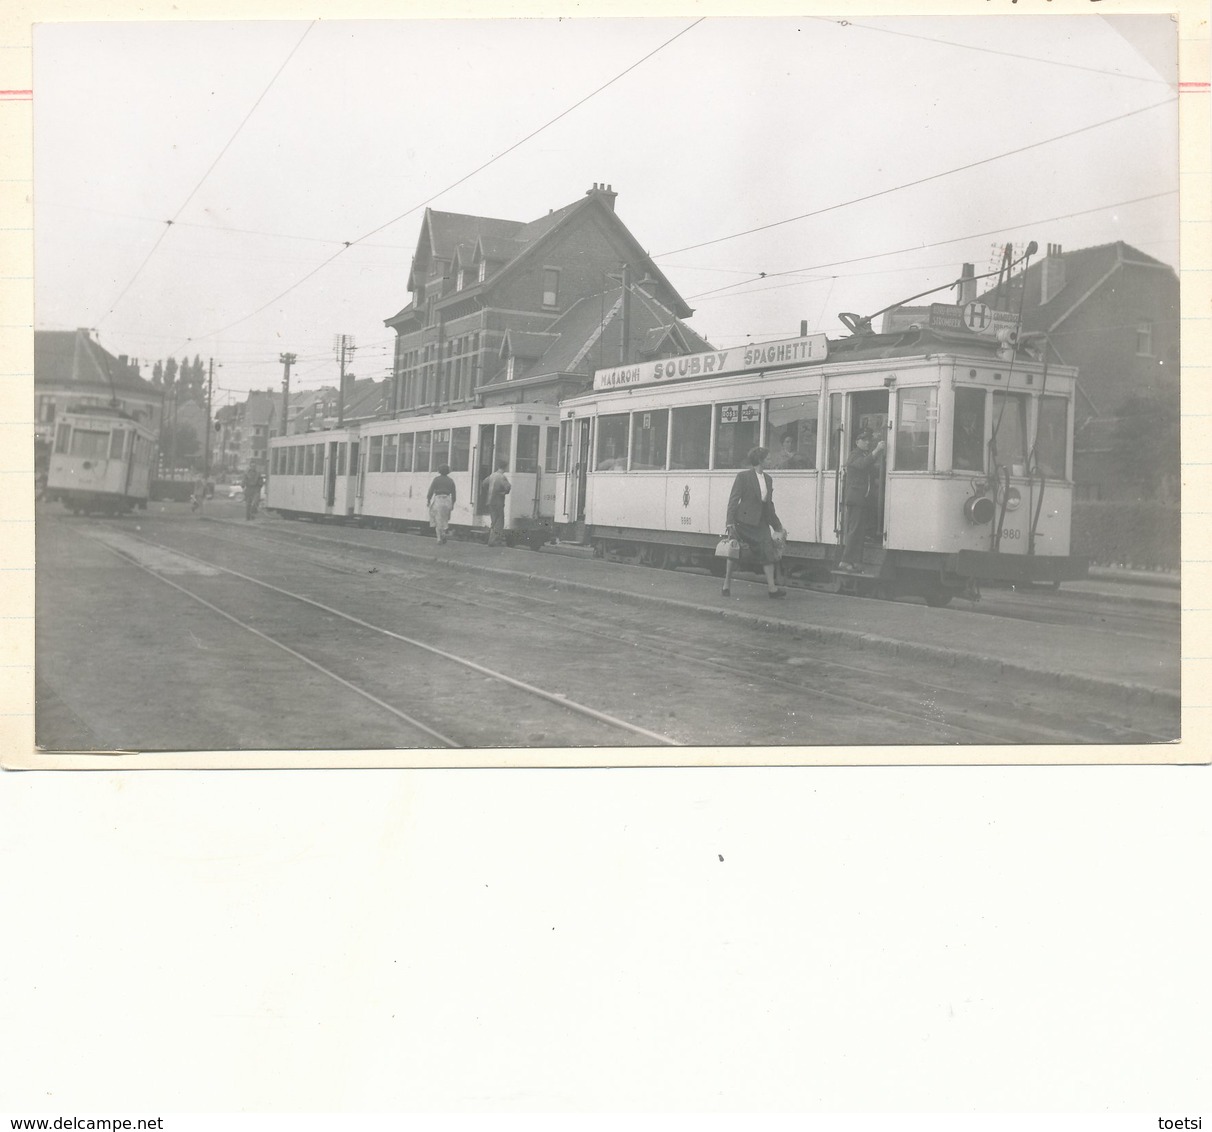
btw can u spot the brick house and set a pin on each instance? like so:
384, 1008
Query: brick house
498, 302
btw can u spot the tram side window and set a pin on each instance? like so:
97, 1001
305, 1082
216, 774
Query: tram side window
565, 441
837, 407
116, 443
736, 433
61, 438
528, 448
460, 449
309, 459
968, 437
1050, 437
320, 459
791, 431
690, 437
424, 444
1010, 431
915, 423
551, 457
389, 452
90, 443
649, 439
407, 444
612, 443
441, 447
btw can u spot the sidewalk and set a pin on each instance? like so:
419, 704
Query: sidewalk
1071, 656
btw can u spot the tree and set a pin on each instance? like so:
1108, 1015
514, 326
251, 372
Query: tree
1146, 445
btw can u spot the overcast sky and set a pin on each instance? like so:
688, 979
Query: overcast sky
272, 144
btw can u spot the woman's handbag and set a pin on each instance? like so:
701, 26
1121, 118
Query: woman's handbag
728, 548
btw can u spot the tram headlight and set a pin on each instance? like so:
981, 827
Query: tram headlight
979, 510
1012, 499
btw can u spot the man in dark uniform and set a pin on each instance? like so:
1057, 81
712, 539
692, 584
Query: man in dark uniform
858, 497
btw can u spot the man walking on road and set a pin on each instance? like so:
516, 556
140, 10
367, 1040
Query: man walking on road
495, 488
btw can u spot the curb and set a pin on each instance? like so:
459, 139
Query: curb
851, 638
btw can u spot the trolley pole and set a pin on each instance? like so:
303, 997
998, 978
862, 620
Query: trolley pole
343, 344
287, 360
210, 385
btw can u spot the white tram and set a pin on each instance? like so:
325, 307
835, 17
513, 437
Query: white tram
379, 472
102, 461
977, 481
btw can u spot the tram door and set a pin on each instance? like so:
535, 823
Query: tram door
330, 476
580, 466
485, 462
865, 409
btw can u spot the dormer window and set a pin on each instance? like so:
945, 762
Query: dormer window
551, 286
483, 271
459, 280
509, 368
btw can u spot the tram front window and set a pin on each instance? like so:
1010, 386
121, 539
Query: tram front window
1010, 431
90, 443
528, 448
914, 428
1050, 436
968, 437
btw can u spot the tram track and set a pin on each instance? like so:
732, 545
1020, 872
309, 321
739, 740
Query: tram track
913, 700
556, 699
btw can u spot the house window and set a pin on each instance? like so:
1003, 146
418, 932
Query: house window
483, 271
551, 286
1144, 340
459, 279
509, 368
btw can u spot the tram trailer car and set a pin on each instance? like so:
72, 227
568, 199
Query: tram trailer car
977, 483
379, 474
102, 461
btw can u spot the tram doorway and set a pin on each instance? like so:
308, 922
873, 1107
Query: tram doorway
867, 410
580, 467
330, 475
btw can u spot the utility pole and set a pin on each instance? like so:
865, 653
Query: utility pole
287, 360
343, 345
210, 384
625, 283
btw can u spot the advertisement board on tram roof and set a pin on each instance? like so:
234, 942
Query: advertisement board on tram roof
713, 363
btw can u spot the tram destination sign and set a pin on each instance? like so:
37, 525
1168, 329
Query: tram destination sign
975, 317
713, 363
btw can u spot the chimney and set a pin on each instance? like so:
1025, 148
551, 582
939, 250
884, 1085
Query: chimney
605, 192
967, 287
1052, 274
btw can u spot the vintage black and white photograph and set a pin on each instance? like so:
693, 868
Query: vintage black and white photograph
583, 391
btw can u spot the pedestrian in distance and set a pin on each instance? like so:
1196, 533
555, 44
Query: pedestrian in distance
751, 517
252, 483
199, 494
441, 500
859, 497
494, 489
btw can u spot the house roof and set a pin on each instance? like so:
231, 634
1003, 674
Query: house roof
364, 397
72, 357
507, 243
571, 340
260, 408
1086, 269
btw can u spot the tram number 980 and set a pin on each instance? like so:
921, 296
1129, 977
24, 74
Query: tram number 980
1007, 533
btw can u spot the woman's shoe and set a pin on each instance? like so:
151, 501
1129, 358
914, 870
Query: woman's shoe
776, 593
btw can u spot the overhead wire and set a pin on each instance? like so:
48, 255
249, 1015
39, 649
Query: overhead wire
168, 224
919, 181
991, 50
454, 184
913, 248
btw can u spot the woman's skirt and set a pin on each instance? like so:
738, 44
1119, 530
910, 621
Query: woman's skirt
439, 513
757, 541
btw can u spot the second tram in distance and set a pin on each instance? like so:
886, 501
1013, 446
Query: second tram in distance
102, 461
977, 483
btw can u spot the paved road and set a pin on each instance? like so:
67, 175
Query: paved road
160, 633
